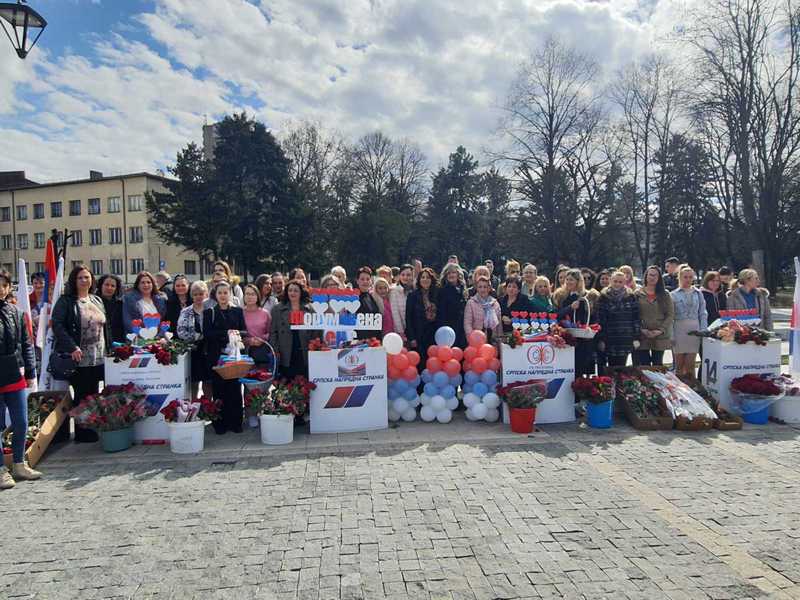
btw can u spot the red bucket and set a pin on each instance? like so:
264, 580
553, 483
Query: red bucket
522, 419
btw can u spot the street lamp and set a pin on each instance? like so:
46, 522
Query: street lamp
19, 18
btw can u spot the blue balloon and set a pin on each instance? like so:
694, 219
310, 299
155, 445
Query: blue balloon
467, 388
489, 378
455, 381
410, 394
401, 385
441, 379
471, 377
426, 376
431, 389
392, 392
445, 336
415, 382
448, 391
480, 389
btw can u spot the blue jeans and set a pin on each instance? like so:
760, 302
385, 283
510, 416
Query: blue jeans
17, 403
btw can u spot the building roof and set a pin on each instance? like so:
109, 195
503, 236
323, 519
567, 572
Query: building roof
13, 179
27, 184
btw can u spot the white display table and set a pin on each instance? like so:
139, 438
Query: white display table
351, 392
725, 361
163, 384
554, 366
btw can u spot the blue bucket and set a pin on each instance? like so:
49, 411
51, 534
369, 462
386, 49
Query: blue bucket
116, 441
600, 416
759, 417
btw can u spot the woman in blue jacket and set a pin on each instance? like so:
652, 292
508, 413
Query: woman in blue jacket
143, 299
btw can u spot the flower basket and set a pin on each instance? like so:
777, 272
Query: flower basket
582, 333
644, 408
187, 420
114, 409
234, 369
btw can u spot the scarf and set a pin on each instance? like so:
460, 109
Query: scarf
430, 307
490, 321
616, 294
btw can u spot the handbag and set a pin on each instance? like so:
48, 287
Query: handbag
62, 366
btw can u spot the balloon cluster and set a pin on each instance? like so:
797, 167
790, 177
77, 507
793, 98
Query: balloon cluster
403, 379
481, 366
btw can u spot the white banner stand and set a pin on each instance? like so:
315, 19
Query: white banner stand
725, 361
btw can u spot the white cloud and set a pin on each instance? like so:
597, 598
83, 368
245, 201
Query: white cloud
430, 70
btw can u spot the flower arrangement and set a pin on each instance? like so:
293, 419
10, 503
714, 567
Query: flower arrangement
523, 394
166, 351
556, 335
185, 411
640, 395
285, 397
595, 389
758, 385
258, 375
734, 331
116, 407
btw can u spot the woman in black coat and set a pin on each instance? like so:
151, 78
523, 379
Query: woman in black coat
178, 298
571, 301
620, 325
110, 289
714, 294
17, 371
450, 302
217, 323
513, 301
421, 315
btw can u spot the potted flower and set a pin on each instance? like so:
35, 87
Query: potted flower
521, 399
753, 394
598, 393
278, 408
112, 414
187, 420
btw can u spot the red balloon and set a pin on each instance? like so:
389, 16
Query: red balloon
458, 353
470, 353
444, 354
467, 365
413, 358
479, 365
394, 373
494, 364
401, 362
403, 350
410, 373
452, 367
434, 364
433, 351
476, 338
488, 351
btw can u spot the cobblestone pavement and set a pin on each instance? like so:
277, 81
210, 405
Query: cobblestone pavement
459, 511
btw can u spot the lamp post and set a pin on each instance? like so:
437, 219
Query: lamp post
20, 19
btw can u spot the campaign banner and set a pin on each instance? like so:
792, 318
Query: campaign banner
725, 361
335, 310
351, 392
161, 383
543, 362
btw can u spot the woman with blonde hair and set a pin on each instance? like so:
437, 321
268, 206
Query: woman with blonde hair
559, 276
690, 315
480, 271
571, 301
385, 272
542, 300
630, 280
747, 295
223, 270
450, 302
380, 293
398, 297
529, 280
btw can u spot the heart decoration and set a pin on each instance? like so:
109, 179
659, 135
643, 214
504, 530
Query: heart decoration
337, 305
352, 306
148, 333
132, 337
319, 307
168, 335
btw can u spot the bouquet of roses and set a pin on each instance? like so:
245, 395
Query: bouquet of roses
287, 397
758, 385
186, 411
595, 389
640, 395
523, 394
116, 407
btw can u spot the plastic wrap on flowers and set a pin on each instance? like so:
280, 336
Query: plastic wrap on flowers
481, 365
403, 382
754, 393
681, 399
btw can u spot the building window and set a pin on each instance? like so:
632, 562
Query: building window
135, 235
190, 267
115, 235
94, 206
97, 267
116, 266
5, 242
8, 267
95, 237
38, 211
208, 268
135, 203
74, 208
76, 263
22, 213
22, 241
38, 240
113, 204
5, 213
77, 238
55, 210
40, 267
137, 265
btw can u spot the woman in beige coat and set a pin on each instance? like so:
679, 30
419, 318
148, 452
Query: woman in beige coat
657, 314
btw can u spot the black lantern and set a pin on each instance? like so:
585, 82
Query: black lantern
21, 20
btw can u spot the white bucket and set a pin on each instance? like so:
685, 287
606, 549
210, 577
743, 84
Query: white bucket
786, 409
277, 429
187, 438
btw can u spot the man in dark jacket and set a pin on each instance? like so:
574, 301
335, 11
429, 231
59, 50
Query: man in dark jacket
671, 275
368, 304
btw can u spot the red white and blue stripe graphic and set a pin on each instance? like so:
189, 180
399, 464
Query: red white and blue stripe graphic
350, 396
794, 326
140, 362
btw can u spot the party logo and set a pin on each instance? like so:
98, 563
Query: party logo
352, 363
541, 354
351, 396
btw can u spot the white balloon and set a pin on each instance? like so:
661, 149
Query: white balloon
492, 414
469, 415
491, 400
393, 415
400, 405
409, 415
415, 402
393, 343
471, 400
480, 411
438, 404
444, 416
452, 403
424, 399
427, 414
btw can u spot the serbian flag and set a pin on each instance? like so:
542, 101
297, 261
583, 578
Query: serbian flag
23, 299
46, 381
49, 270
794, 326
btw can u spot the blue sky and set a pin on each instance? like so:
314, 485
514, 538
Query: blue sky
122, 85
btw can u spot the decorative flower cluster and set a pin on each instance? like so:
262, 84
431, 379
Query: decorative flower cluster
523, 394
595, 389
185, 411
116, 407
285, 397
640, 395
758, 385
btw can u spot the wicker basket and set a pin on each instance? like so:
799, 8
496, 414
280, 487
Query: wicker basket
584, 333
233, 370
